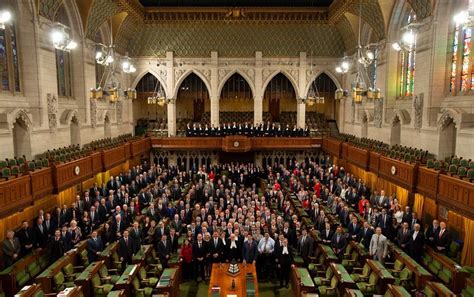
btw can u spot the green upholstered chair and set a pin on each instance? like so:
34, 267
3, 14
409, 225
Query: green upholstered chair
370, 286
453, 169
60, 283
428, 291
352, 262
33, 268
3, 164
71, 272
45, 163
404, 277
462, 171
468, 291
455, 160
464, 163
141, 292
470, 174
6, 172
11, 162
363, 276
84, 258
397, 267
43, 261
324, 280
100, 289
15, 170
445, 275
348, 251
116, 263
434, 265
454, 248
426, 259
146, 281
22, 277
107, 278
330, 290
31, 166
437, 165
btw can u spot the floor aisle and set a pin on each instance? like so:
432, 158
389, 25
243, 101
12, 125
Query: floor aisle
266, 289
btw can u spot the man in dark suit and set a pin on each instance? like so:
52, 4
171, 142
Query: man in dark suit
443, 240
137, 236
199, 257
173, 238
384, 221
50, 225
125, 249
365, 235
289, 234
407, 216
305, 246
354, 229
164, 250
285, 262
94, 247
432, 233
417, 242
117, 226
403, 238
41, 235
57, 247
249, 251
326, 234
216, 248
338, 242
11, 249
26, 237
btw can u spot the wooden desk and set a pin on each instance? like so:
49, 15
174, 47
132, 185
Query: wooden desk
142, 254
420, 273
328, 253
169, 282
220, 278
385, 277
352, 293
439, 289
301, 281
117, 293
343, 277
397, 291
106, 254
125, 280
30, 291
84, 279
71, 292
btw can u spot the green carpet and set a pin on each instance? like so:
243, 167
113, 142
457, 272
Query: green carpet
266, 289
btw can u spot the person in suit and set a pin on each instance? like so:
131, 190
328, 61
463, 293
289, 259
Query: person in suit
56, 248
384, 220
327, 234
285, 263
365, 235
234, 250
417, 243
94, 247
164, 250
216, 248
432, 233
403, 238
382, 201
26, 237
125, 249
305, 245
378, 246
137, 236
289, 234
117, 226
249, 251
443, 240
50, 225
338, 242
199, 256
11, 248
176, 224
173, 238
354, 229
40, 234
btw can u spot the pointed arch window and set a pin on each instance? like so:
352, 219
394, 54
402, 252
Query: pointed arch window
407, 65
461, 76
9, 64
63, 60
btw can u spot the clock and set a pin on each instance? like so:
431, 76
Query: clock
77, 170
393, 170
236, 144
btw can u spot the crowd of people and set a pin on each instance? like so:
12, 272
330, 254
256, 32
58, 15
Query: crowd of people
229, 212
251, 130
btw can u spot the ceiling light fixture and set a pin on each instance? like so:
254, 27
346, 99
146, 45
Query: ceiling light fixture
61, 39
5, 17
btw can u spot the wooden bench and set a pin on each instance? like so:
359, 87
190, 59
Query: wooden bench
23, 271
169, 282
106, 254
433, 289
384, 276
343, 277
125, 280
352, 293
117, 293
447, 270
301, 281
144, 252
396, 291
420, 274
84, 279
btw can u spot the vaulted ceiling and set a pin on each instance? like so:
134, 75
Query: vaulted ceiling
234, 28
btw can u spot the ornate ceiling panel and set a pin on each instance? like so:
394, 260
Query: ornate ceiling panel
101, 11
236, 39
372, 14
48, 8
422, 8
345, 29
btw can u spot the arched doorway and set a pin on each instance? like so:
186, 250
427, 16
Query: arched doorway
279, 99
396, 131
364, 128
75, 131
447, 138
21, 138
327, 88
192, 102
107, 128
236, 101
148, 113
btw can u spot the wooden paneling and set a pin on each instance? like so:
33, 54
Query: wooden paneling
427, 181
374, 162
236, 144
430, 210
358, 156
41, 182
344, 150
405, 173
96, 162
65, 176
15, 194
185, 143
139, 147
113, 157
456, 194
332, 146
127, 148
285, 143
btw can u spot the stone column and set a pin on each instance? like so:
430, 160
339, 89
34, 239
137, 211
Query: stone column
171, 106
300, 113
215, 111
258, 97
257, 110
214, 95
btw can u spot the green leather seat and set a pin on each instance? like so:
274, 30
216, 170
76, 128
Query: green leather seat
141, 292
363, 276
106, 277
99, 288
445, 275
22, 277
59, 282
324, 280
144, 280
350, 263
329, 290
369, 287
69, 272
34, 268
397, 267
404, 278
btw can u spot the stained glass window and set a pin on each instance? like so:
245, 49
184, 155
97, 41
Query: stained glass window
407, 65
63, 61
466, 60
9, 66
454, 62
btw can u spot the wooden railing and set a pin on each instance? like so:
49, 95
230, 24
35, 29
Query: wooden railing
19, 192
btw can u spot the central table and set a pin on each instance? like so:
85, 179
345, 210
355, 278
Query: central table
220, 278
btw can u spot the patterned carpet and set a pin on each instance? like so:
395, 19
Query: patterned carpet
266, 289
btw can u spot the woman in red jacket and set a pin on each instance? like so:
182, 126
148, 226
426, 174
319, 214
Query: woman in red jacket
186, 257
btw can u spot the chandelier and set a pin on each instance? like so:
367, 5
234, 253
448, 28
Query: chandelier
158, 95
313, 96
5, 17
61, 38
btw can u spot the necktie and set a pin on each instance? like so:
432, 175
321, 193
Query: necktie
441, 233
215, 242
378, 237
199, 245
126, 241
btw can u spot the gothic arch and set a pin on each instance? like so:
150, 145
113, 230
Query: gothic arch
447, 115
19, 113
74, 16
241, 73
287, 75
152, 72
402, 114
185, 75
67, 115
314, 77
